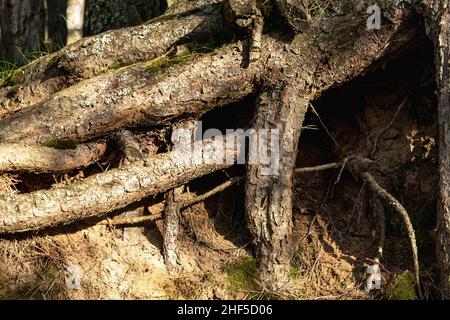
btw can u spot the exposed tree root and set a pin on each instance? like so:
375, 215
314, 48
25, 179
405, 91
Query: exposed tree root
359, 167
107, 191
135, 96
173, 87
41, 159
394, 203
181, 131
94, 55
185, 200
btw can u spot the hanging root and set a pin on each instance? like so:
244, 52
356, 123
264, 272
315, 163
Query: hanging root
390, 200
359, 167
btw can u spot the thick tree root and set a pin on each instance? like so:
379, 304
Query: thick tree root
135, 96
94, 55
41, 159
107, 191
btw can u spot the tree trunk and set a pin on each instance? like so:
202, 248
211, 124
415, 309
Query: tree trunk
75, 20
439, 14
269, 191
22, 28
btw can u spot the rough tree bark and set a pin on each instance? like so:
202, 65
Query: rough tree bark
40, 159
180, 133
22, 27
439, 23
289, 74
296, 79
108, 51
108, 191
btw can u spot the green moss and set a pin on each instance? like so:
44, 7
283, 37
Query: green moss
58, 144
402, 288
242, 275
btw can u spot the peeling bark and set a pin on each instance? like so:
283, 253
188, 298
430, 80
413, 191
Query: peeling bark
40, 159
104, 192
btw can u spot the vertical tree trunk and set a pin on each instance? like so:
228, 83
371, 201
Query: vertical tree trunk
269, 194
75, 20
22, 27
440, 26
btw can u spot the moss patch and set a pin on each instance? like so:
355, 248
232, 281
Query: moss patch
402, 288
242, 276
58, 144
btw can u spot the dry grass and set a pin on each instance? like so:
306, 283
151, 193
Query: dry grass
31, 269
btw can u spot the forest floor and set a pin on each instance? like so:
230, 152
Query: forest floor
334, 225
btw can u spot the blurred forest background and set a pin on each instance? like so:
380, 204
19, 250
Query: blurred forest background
31, 28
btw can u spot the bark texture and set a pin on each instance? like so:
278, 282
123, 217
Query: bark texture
108, 51
40, 159
107, 191
135, 95
312, 65
172, 214
439, 14
269, 195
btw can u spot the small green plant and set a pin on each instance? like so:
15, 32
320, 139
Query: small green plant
242, 275
6, 69
295, 273
402, 288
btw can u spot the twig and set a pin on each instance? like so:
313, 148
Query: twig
324, 126
318, 168
191, 201
382, 132
186, 200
